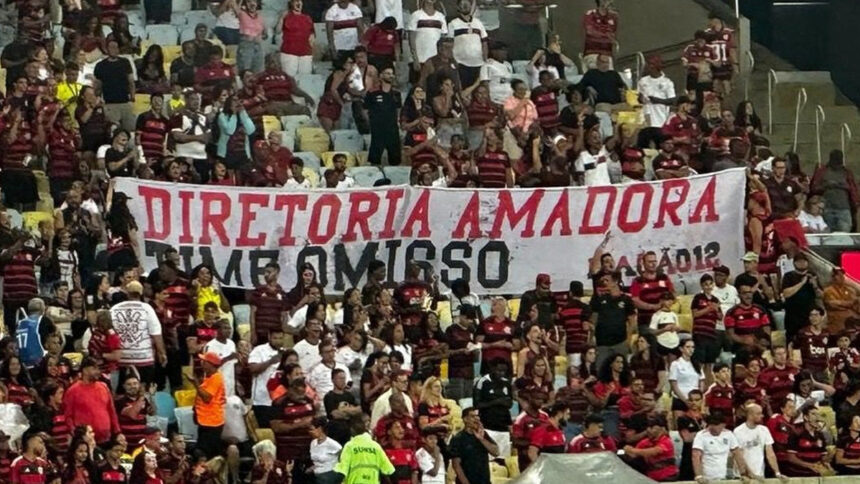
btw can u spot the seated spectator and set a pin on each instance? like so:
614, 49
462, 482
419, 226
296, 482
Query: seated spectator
669, 163
656, 451
602, 86
811, 218
840, 300
746, 118
836, 184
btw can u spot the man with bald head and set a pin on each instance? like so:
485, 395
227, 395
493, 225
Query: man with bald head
756, 443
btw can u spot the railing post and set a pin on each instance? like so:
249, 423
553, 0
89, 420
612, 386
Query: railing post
820, 118
846, 134
640, 64
801, 103
751, 61
771, 83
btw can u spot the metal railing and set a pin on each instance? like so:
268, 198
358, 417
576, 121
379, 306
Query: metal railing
771, 84
846, 134
801, 103
820, 118
640, 65
751, 62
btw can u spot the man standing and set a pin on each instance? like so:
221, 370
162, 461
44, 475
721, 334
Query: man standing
190, 134
115, 78
493, 396
800, 290
841, 302
32, 333
152, 128
657, 451
756, 443
600, 25
728, 297
836, 184
382, 407
383, 108
263, 362
786, 195
711, 449
613, 316
721, 39
647, 290
549, 437
657, 92
268, 304
90, 402
461, 368
748, 325
426, 26
132, 410
139, 331
591, 439
362, 460
225, 348
470, 43
209, 405
541, 296
320, 375
344, 26
471, 449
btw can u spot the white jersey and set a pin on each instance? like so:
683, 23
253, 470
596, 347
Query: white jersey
228, 370
715, 452
595, 167
498, 75
469, 38
259, 392
661, 87
428, 29
136, 323
728, 297
344, 25
390, 8
192, 149
752, 442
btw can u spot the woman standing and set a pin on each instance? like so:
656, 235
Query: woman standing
252, 32
325, 452
122, 244
236, 128
685, 375
336, 93
206, 288
297, 31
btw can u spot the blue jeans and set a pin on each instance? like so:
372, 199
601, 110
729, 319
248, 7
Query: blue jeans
838, 220
249, 56
227, 36
330, 477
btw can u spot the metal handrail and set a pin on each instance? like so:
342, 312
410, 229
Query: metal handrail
771, 83
846, 134
640, 64
751, 62
820, 118
801, 103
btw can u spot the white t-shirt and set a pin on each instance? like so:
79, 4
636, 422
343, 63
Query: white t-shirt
426, 462
292, 183
259, 392
715, 452
346, 356
309, 354
534, 73
662, 87
347, 182
228, 20
812, 223
319, 377
728, 297
595, 167
136, 323
427, 30
228, 370
469, 40
390, 8
683, 372
499, 75
324, 455
194, 149
752, 442
345, 28
668, 339
406, 351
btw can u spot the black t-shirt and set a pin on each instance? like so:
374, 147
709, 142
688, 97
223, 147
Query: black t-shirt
382, 108
113, 75
496, 417
15, 52
111, 156
797, 307
607, 84
612, 313
474, 458
184, 72
337, 429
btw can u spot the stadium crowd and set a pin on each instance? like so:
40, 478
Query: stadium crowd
756, 374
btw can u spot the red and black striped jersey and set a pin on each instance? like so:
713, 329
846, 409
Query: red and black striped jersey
746, 320
705, 325
493, 168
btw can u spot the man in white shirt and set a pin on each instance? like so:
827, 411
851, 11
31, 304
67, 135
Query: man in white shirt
319, 376
225, 348
426, 26
726, 293
192, 135
344, 26
470, 43
498, 72
593, 163
389, 8
711, 449
308, 348
139, 331
263, 361
381, 407
756, 443
657, 93
430, 460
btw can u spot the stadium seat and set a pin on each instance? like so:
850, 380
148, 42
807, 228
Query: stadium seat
399, 175
288, 140
171, 53
31, 219
320, 37
313, 139
361, 158
162, 34
443, 309
165, 406
244, 332
185, 398
195, 17
271, 123
242, 314
141, 103
365, 176
271, 17
311, 160
312, 176
186, 33
328, 159
322, 67
185, 422
180, 5
293, 123
347, 140
313, 84
520, 66
178, 19
514, 307
15, 218
43, 184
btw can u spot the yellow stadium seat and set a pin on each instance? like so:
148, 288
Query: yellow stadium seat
230, 52
3, 81
513, 466
777, 338
443, 309
497, 471
443, 369
312, 139
561, 365
686, 304
328, 158
144, 45
75, 358
827, 414
312, 176
230, 61
265, 434
32, 219
361, 158
43, 185
514, 307
141, 103
271, 123
244, 331
171, 52
685, 321
185, 398
187, 372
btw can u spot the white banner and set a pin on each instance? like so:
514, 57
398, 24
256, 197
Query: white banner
497, 240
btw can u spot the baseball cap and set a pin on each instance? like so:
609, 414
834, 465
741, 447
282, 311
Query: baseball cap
750, 257
211, 358
134, 287
543, 279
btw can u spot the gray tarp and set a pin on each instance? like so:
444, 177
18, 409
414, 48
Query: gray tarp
596, 468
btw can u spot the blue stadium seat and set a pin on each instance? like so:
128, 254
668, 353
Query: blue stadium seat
311, 160
399, 175
347, 140
365, 176
195, 17
165, 406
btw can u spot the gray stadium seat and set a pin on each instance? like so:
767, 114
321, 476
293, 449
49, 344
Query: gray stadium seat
313, 84
195, 17
180, 5
365, 176
291, 123
311, 160
162, 34
347, 140
399, 175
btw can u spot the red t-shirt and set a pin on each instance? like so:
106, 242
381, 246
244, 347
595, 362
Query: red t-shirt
661, 467
297, 29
